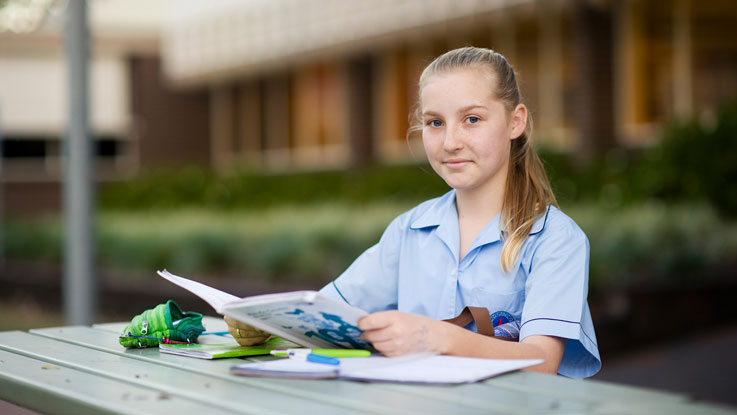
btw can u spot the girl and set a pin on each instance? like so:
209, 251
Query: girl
497, 240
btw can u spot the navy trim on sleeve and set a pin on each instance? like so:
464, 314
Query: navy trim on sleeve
340, 293
563, 321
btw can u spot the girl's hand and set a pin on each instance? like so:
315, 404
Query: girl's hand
395, 333
244, 334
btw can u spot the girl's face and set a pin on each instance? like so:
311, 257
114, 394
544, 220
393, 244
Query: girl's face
467, 131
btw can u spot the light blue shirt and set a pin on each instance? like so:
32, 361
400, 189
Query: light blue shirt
415, 269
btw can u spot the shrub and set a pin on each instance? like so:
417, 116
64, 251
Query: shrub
198, 188
652, 243
693, 162
697, 161
655, 244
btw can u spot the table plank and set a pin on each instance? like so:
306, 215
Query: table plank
519, 392
509, 390
580, 389
41, 386
671, 408
479, 396
207, 390
469, 396
361, 397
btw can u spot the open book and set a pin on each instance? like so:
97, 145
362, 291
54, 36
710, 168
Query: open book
420, 368
307, 318
225, 350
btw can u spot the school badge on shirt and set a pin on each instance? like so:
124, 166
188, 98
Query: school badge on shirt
501, 317
505, 325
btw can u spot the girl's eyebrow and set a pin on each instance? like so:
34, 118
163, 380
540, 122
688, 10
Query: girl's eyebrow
471, 107
430, 113
460, 110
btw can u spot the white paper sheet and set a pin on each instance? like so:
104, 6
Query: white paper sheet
407, 369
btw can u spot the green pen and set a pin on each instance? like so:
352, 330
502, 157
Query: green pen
324, 352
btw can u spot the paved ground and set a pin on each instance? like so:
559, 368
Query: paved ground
702, 365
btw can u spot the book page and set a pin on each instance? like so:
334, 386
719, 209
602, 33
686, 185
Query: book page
216, 298
307, 318
304, 317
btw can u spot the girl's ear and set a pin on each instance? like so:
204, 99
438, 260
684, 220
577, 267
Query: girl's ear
518, 121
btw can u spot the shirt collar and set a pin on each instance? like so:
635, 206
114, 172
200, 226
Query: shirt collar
539, 224
443, 215
443, 209
440, 207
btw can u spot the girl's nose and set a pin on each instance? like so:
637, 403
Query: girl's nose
453, 140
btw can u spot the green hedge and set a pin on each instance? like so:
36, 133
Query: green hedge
697, 160
653, 215
693, 162
199, 188
656, 244
653, 244
312, 243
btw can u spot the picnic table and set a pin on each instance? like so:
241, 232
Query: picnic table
83, 369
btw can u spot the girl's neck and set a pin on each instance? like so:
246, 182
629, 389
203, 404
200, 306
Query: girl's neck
478, 206
475, 210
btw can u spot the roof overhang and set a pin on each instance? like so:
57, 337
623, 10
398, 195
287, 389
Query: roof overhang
211, 42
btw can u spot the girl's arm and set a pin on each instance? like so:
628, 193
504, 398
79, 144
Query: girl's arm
395, 333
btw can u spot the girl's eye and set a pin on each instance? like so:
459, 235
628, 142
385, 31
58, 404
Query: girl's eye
473, 120
436, 123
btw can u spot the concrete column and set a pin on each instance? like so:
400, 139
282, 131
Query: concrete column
307, 114
249, 119
504, 36
550, 71
222, 125
415, 61
628, 82
593, 104
390, 103
682, 59
359, 77
277, 120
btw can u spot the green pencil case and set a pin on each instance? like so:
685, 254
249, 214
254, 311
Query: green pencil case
164, 323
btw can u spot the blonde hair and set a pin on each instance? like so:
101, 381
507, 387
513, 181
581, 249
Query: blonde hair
527, 192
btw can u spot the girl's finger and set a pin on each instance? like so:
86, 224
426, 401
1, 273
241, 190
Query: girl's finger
387, 347
378, 335
375, 321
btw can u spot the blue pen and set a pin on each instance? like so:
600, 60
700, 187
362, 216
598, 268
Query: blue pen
314, 358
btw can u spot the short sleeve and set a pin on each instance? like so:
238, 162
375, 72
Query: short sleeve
556, 294
370, 282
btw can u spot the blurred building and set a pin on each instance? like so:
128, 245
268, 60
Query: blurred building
136, 119
305, 84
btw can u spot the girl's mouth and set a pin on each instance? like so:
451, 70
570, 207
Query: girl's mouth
456, 163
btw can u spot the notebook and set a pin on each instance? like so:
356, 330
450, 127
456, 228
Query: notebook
224, 350
421, 368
